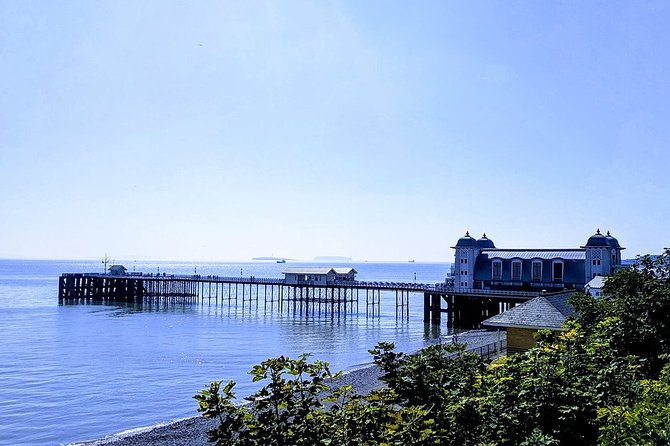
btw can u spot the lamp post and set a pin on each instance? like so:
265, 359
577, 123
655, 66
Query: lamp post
105, 261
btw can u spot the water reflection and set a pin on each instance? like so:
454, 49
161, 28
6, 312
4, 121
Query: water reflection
124, 309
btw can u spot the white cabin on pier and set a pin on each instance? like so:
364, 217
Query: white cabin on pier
318, 275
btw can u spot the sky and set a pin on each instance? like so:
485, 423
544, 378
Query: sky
376, 130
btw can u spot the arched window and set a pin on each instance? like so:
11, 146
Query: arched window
536, 271
557, 271
516, 270
497, 270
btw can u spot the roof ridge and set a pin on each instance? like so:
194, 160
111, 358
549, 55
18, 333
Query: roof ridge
536, 312
534, 249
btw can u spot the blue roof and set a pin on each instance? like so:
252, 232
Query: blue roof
466, 241
614, 243
597, 240
485, 242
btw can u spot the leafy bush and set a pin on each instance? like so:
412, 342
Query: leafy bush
281, 413
638, 300
646, 422
290, 410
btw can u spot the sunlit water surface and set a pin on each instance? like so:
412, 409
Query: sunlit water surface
75, 372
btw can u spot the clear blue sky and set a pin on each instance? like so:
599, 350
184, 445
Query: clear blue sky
376, 130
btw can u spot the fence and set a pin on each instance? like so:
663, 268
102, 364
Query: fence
486, 351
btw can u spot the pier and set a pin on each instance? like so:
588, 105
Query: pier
268, 293
462, 309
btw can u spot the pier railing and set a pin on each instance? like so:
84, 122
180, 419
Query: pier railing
451, 289
196, 277
367, 284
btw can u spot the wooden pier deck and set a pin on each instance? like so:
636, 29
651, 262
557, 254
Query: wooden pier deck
463, 309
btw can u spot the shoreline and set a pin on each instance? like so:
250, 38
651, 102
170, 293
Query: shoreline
193, 431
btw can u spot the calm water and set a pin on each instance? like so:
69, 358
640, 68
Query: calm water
70, 373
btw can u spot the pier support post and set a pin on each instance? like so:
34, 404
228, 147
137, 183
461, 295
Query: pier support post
437, 308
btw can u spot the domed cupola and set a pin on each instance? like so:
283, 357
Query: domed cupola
466, 241
485, 242
614, 243
597, 240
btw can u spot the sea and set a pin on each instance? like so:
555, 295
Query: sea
76, 372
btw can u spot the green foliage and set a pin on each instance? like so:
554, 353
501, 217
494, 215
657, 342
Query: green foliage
375, 419
213, 404
281, 413
555, 390
646, 422
638, 299
289, 410
604, 380
443, 378
281, 410
432, 376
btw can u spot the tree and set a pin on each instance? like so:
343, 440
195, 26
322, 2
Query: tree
555, 389
442, 378
290, 410
282, 411
637, 301
646, 422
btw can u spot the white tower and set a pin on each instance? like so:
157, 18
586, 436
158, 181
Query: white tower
603, 255
616, 255
466, 254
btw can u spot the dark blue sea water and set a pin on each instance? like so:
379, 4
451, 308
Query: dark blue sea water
71, 373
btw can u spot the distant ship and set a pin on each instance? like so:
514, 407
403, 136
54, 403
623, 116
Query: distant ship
411, 261
281, 261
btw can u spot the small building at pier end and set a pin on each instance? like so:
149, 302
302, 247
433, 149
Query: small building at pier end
117, 270
319, 276
480, 265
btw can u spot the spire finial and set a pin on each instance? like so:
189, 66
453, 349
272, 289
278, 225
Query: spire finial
467, 233
598, 231
608, 234
484, 235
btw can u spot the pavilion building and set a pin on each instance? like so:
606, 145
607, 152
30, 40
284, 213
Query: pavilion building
479, 265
